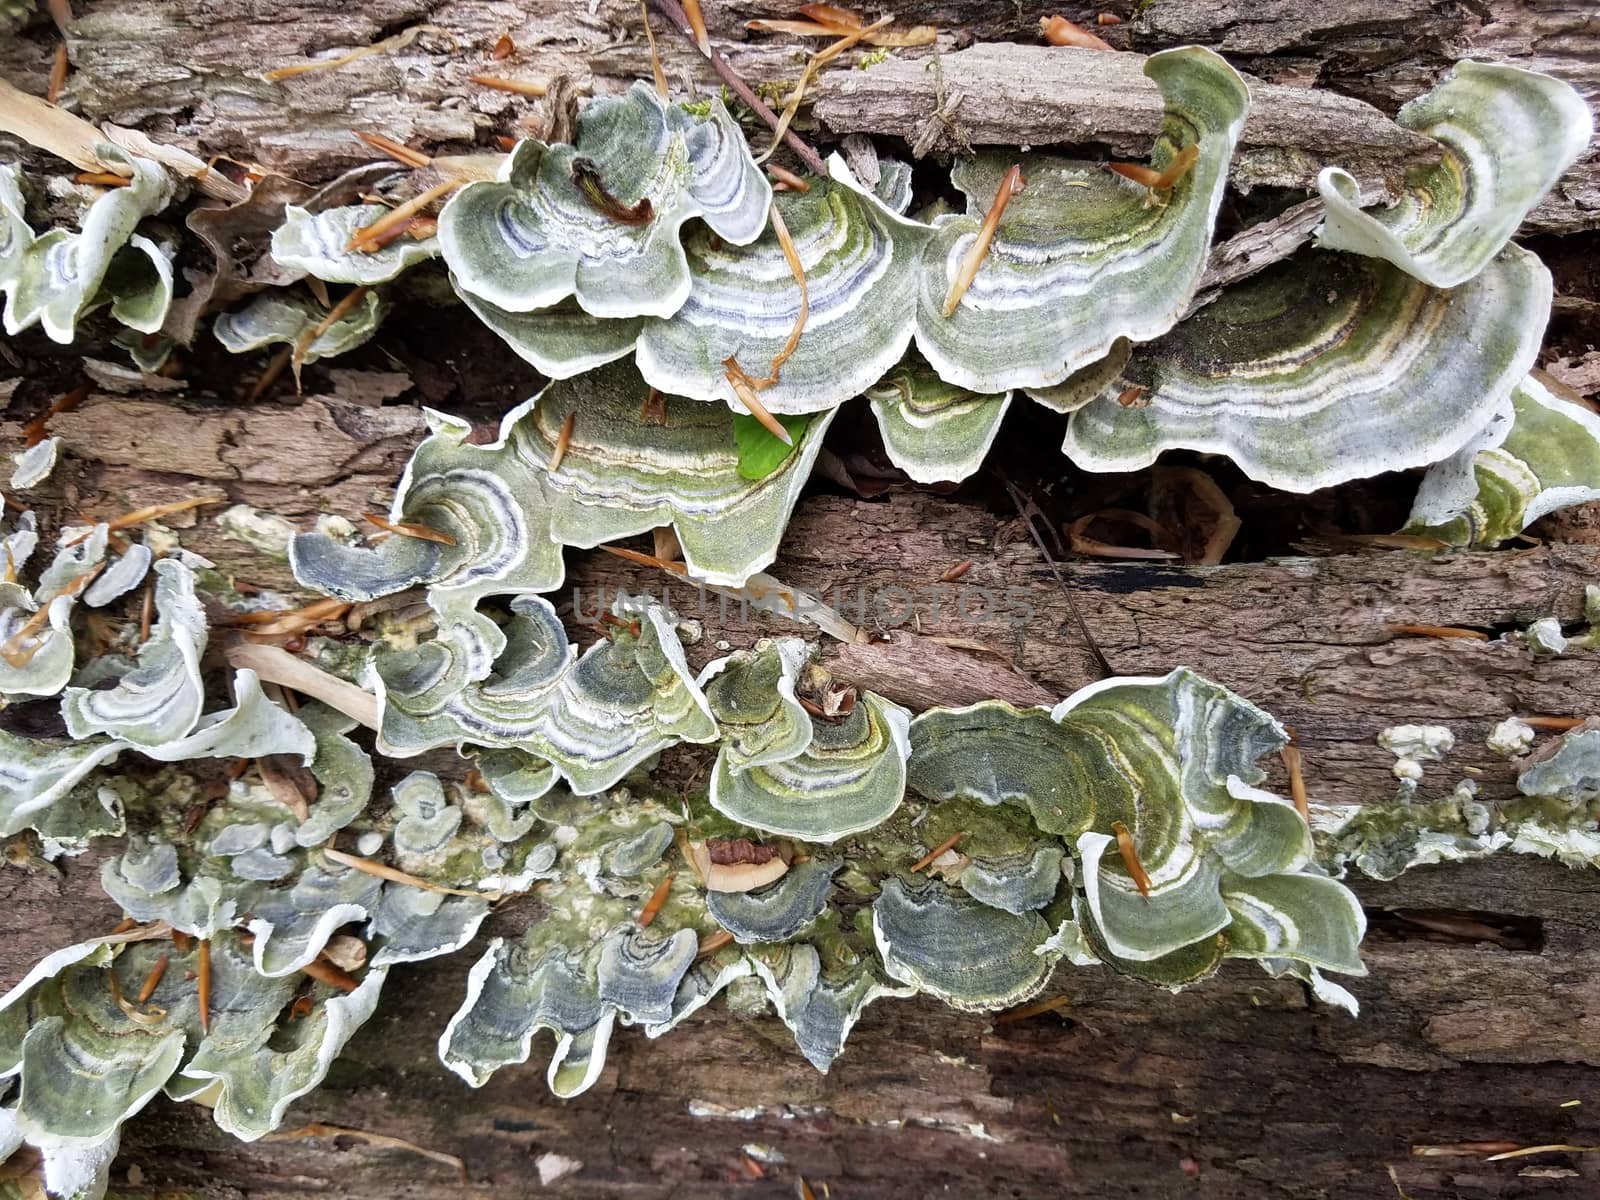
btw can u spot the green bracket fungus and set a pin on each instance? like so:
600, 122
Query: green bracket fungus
751, 693
840, 851
625, 470
594, 717
34, 464
274, 319
971, 956
318, 245
850, 777
1540, 455
1325, 368
860, 261
160, 698
1082, 256
54, 278
477, 527
932, 430
601, 220
1507, 135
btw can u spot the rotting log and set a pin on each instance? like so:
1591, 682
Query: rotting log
192, 70
1131, 1089
1240, 1089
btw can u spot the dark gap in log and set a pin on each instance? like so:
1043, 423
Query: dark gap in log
1509, 931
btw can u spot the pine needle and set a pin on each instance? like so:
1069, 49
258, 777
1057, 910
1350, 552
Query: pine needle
1010, 185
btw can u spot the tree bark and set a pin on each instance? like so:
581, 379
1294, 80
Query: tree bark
1242, 1088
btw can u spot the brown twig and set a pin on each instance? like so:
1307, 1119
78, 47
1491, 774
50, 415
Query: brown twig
563, 442
655, 53
948, 844
204, 968
1033, 1010
673, 12
398, 151
1023, 510
1130, 858
516, 86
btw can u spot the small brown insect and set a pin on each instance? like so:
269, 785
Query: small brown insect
1130, 858
1105, 19
504, 48
301, 1008
1134, 397
957, 571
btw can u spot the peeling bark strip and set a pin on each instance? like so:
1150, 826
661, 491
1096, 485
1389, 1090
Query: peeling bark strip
194, 69
1045, 95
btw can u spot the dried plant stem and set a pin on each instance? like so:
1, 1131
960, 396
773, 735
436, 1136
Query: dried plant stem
1297, 781
1130, 859
274, 664
814, 64
398, 151
1010, 185
674, 13
395, 875
948, 844
204, 972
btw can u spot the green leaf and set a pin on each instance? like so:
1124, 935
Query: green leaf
760, 454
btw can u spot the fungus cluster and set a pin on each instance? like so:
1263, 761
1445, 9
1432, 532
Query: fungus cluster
841, 849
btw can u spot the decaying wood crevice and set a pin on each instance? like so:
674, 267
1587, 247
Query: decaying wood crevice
1240, 1089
